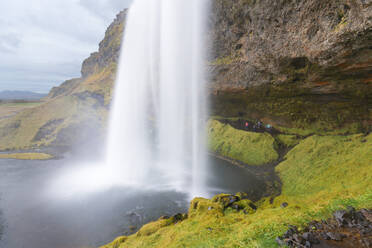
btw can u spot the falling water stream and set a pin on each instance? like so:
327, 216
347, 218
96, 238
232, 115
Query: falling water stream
156, 130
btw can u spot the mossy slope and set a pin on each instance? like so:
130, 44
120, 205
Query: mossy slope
26, 156
319, 175
248, 147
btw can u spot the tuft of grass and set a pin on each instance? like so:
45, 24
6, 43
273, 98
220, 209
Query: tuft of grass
26, 156
288, 140
248, 147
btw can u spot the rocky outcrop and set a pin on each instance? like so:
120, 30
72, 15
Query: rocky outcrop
65, 88
347, 228
109, 48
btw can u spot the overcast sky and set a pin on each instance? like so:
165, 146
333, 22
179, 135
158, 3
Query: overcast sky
43, 42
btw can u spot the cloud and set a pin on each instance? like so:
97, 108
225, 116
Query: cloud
43, 42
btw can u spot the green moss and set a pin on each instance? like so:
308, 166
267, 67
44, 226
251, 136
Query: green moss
26, 156
201, 206
248, 147
116, 243
224, 61
320, 175
288, 140
318, 165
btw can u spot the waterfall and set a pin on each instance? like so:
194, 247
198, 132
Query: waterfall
157, 120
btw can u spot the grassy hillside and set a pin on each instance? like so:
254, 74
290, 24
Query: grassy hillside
248, 147
320, 174
73, 112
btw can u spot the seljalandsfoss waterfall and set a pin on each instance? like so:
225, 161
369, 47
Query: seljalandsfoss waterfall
156, 130
158, 114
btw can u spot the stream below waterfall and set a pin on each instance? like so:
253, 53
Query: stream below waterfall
32, 218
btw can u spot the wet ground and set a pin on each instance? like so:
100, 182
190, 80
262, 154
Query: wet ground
32, 217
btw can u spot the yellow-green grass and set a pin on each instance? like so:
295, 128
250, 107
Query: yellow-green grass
9, 109
316, 128
19, 131
320, 175
288, 140
248, 147
26, 156
101, 82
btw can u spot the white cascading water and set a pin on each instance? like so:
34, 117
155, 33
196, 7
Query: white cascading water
156, 130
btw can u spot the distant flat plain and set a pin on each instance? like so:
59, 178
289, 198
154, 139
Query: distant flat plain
11, 108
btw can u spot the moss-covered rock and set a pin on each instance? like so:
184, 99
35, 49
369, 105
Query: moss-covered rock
201, 206
248, 147
225, 200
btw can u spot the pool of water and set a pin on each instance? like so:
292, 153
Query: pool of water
32, 217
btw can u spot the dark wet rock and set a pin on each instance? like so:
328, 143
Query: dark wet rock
347, 228
324, 236
367, 214
334, 236
178, 217
298, 239
254, 207
340, 217
310, 237
284, 205
164, 217
236, 206
367, 242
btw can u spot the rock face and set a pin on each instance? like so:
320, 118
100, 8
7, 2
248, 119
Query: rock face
109, 48
317, 45
297, 64
106, 57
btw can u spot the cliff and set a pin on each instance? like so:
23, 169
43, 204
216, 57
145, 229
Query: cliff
76, 111
294, 64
